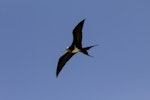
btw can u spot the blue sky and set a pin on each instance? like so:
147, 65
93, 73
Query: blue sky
33, 32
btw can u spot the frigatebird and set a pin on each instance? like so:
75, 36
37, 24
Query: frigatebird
75, 47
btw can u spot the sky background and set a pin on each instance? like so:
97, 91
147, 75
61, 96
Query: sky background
33, 33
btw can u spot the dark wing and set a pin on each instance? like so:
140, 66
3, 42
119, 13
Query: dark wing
77, 35
62, 61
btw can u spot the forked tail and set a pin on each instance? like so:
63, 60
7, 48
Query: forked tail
85, 50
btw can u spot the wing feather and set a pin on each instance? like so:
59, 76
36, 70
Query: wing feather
77, 35
62, 61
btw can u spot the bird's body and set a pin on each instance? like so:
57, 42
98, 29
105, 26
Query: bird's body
74, 50
75, 47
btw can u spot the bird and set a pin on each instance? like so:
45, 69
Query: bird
74, 48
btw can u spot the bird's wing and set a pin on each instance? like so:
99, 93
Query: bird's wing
62, 61
77, 35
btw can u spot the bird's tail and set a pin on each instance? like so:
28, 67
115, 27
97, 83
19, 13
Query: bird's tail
85, 50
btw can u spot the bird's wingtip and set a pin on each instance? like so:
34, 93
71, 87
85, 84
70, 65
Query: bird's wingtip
83, 20
57, 75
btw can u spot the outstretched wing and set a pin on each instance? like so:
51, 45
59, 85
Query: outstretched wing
62, 61
77, 35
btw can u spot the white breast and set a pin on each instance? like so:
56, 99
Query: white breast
76, 50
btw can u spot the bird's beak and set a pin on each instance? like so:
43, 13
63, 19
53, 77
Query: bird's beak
63, 51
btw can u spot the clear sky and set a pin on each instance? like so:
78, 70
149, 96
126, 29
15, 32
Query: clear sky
33, 33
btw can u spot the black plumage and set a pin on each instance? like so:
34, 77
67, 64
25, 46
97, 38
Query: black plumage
75, 47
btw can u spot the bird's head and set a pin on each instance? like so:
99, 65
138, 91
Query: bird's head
67, 48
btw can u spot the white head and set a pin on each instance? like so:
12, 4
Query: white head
67, 48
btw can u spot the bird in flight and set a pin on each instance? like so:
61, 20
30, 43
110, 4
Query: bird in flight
75, 47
